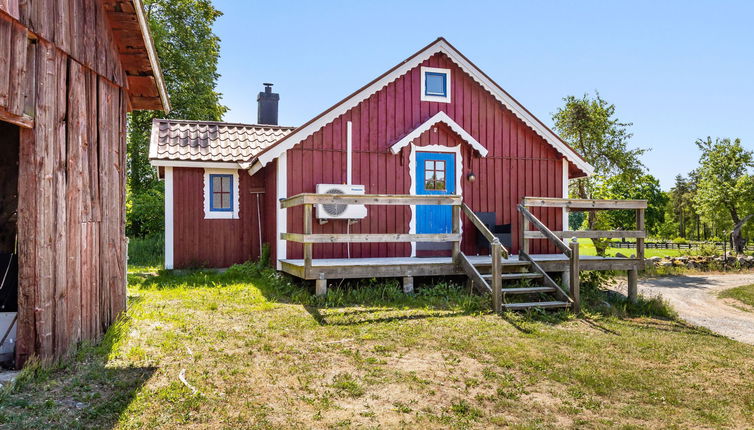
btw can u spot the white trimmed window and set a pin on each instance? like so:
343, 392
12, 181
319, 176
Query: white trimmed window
435, 85
221, 197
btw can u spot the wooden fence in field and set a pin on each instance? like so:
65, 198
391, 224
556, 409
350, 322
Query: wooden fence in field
673, 245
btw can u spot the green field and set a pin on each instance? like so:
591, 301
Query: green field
257, 352
586, 247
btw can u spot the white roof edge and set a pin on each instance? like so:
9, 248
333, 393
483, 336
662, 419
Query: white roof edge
197, 163
444, 118
442, 46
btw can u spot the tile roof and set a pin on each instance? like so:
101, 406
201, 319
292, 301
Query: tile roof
181, 140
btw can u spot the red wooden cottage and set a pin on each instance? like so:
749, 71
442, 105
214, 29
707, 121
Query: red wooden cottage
434, 125
70, 70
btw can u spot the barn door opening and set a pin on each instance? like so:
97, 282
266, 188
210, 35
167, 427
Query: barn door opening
9, 152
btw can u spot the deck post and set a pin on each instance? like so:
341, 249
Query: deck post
408, 284
497, 295
456, 230
633, 285
523, 244
640, 240
307, 230
320, 285
574, 275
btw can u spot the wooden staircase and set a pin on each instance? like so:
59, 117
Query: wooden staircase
536, 288
545, 294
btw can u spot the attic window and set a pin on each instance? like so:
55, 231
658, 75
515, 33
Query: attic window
435, 85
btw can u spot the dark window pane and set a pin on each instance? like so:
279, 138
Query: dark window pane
434, 84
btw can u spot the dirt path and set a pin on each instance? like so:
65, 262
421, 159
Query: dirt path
695, 299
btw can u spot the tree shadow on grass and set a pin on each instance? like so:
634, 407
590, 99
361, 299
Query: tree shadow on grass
81, 391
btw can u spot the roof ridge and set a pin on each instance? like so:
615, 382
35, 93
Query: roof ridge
227, 124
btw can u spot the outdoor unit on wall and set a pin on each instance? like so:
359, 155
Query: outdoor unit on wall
336, 211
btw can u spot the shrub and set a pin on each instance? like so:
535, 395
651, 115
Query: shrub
707, 250
145, 213
680, 240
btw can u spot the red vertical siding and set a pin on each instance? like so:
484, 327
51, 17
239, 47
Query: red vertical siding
200, 242
519, 162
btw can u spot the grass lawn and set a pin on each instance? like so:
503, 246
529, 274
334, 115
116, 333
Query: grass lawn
586, 247
256, 352
744, 294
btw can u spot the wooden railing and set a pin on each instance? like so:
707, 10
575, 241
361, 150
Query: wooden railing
572, 250
308, 200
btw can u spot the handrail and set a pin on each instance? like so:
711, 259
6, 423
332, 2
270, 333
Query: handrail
481, 227
370, 199
543, 228
584, 204
589, 234
370, 237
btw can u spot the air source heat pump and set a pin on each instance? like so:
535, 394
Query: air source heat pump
337, 211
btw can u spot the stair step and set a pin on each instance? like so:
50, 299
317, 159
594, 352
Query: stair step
529, 305
514, 276
527, 290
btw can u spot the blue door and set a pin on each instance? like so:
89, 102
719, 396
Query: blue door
436, 174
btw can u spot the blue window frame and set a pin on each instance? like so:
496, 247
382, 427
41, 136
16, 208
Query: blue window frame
221, 193
435, 84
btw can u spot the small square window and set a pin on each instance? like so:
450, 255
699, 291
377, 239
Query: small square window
435, 84
221, 191
434, 175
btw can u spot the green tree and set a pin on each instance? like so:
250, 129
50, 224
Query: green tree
725, 189
590, 126
644, 187
188, 51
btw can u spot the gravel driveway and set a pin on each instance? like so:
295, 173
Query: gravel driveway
695, 299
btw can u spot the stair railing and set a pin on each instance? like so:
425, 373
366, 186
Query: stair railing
571, 252
497, 253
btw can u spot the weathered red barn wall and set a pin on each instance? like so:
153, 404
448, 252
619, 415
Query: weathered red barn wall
203, 242
60, 69
519, 163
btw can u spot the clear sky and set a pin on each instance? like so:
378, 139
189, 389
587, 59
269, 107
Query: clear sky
677, 70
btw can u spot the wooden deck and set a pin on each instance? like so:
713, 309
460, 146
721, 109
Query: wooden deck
350, 268
486, 273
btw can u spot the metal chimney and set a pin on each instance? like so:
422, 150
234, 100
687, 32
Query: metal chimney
267, 110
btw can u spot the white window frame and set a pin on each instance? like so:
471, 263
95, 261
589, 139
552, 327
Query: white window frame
427, 98
208, 212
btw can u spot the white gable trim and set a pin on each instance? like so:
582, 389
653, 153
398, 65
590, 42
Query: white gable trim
444, 118
439, 46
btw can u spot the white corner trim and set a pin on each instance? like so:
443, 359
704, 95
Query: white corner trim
565, 193
196, 164
169, 258
282, 214
412, 173
427, 98
439, 46
209, 214
349, 152
444, 118
153, 137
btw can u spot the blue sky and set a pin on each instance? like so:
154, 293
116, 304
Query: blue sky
677, 70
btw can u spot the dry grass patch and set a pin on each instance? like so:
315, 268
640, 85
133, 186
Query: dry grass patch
263, 354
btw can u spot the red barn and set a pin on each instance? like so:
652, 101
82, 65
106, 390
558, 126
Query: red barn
434, 125
70, 70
